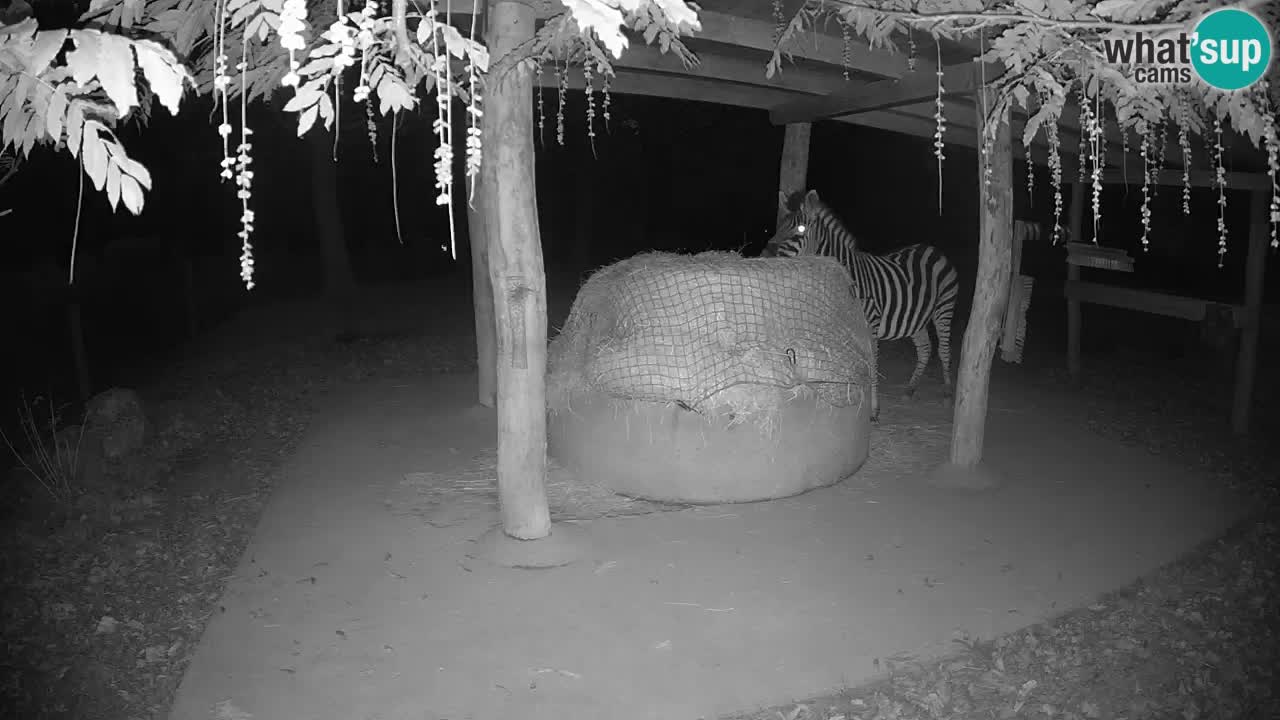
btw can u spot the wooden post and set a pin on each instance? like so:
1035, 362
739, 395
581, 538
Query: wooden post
482, 299
793, 175
1254, 276
338, 278
995, 193
1009, 332
517, 274
191, 301
584, 210
76, 328
1075, 227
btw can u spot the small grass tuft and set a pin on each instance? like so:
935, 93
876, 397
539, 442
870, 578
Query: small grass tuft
52, 451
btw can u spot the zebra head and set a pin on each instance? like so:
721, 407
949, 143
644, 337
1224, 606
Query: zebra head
798, 231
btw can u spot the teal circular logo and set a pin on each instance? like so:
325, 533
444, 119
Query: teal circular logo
1231, 48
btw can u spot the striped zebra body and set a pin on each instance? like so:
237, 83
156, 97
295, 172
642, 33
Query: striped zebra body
903, 291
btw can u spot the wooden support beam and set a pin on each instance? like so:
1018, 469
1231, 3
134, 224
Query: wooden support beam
910, 89
816, 46
631, 82
1147, 301
793, 172
671, 81
758, 35
1199, 178
1254, 277
1075, 230
482, 300
1009, 331
731, 68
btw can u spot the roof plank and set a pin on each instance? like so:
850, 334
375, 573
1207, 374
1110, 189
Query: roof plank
960, 79
746, 32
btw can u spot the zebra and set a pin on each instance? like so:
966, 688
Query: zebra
903, 290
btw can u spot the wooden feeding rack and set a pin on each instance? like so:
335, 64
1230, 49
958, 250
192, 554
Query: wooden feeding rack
1096, 256
1245, 316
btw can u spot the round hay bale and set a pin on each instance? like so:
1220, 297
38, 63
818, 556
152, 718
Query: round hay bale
659, 451
712, 378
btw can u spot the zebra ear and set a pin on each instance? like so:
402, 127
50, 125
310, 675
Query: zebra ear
782, 198
811, 198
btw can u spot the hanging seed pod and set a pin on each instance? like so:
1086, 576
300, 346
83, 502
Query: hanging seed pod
1095, 147
1184, 141
1146, 191
588, 87
846, 50
542, 119
563, 77
605, 105
938, 144
1221, 177
1055, 174
371, 129
1273, 162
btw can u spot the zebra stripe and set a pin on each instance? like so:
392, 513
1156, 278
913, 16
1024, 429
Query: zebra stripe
903, 291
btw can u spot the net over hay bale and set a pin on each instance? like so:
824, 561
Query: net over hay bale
712, 378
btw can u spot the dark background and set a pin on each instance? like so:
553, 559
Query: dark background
667, 175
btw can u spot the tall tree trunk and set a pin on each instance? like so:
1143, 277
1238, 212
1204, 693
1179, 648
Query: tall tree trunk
482, 299
995, 193
338, 278
518, 276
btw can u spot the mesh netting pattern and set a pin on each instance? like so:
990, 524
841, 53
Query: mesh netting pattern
705, 330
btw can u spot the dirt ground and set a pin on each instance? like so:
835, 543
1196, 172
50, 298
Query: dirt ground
357, 598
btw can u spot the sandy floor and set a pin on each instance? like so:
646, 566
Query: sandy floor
345, 607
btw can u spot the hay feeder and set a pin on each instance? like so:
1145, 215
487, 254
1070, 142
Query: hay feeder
712, 378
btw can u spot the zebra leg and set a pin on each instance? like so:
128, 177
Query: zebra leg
875, 380
924, 349
942, 324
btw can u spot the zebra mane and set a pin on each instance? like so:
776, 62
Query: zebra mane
824, 215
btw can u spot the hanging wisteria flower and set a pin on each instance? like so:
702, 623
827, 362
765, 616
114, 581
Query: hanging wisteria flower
364, 41
293, 21
244, 191
474, 113
342, 34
